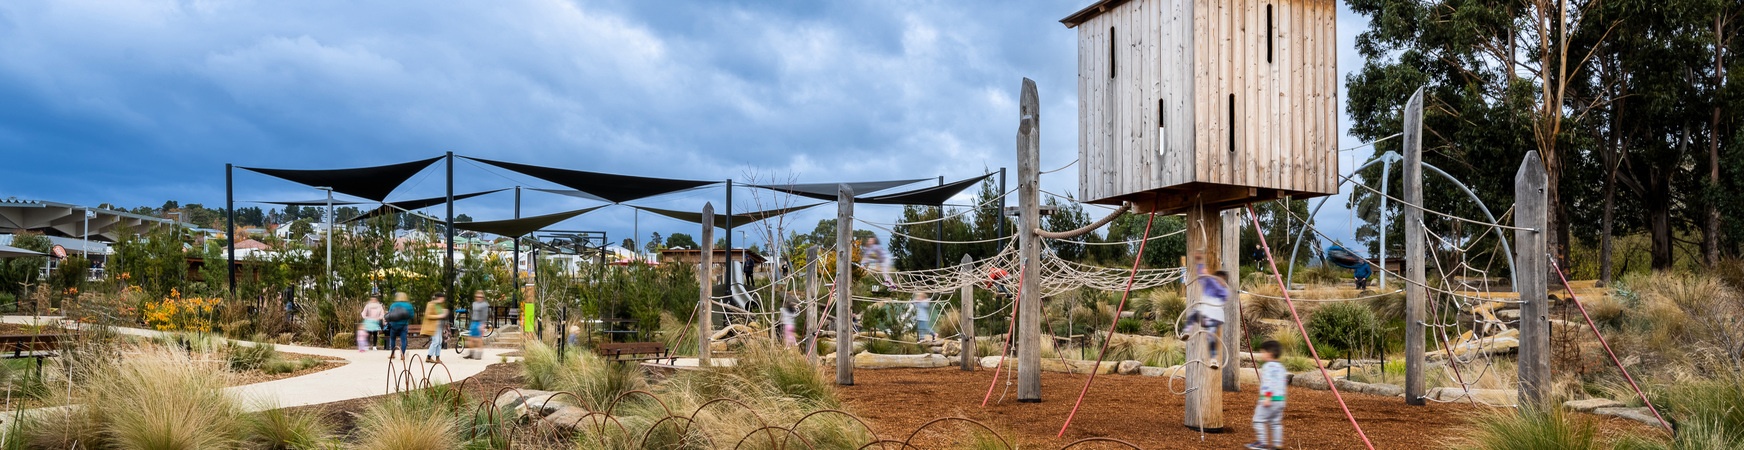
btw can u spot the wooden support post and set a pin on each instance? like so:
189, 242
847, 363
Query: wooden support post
1029, 303
1204, 409
1416, 296
1531, 269
705, 323
1231, 335
966, 350
844, 285
811, 305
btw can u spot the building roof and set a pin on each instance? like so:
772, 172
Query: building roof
1095, 9
65, 219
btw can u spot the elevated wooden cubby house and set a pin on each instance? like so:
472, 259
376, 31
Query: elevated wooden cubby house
1206, 103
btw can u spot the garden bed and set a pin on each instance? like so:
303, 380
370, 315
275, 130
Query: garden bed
260, 376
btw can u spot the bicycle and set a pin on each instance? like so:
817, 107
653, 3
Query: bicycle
461, 336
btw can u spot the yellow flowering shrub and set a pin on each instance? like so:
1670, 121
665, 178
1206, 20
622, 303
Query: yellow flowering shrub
176, 313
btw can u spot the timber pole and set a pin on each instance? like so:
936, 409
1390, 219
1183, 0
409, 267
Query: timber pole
844, 285
966, 350
1231, 334
1204, 402
1416, 295
811, 305
1531, 213
1029, 305
705, 323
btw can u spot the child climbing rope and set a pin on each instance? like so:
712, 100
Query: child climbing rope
996, 280
1207, 313
788, 311
875, 258
1270, 411
923, 316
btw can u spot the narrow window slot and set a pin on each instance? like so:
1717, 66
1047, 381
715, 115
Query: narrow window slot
1269, 33
1232, 123
1111, 45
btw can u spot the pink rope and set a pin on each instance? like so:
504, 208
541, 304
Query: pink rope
1607, 345
1298, 318
1111, 327
1005, 352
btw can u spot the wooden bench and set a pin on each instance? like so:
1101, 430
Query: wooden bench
37, 346
635, 351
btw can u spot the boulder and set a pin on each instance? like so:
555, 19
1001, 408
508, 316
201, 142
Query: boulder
1591, 404
1315, 381
866, 360
1485, 396
568, 418
991, 361
1153, 371
1377, 389
1059, 365
952, 348
1642, 414
1129, 367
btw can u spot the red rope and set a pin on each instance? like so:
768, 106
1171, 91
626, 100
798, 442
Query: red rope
1111, 327
820, 327
1298, 318
1607, 345
1005, 352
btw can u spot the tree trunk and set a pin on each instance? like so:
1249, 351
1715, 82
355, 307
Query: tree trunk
1606, 242
1711, 229
1659, 225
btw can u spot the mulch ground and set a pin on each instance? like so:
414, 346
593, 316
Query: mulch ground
1142, 411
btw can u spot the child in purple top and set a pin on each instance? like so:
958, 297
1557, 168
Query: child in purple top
1207, 313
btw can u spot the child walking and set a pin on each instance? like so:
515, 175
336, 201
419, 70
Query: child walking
1270, 411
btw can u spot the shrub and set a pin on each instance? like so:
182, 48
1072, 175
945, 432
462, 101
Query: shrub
159, 399
282, 429
280, 366
1343, 326
244, 358
415, 420
1530, 428
1165, 305
1297, 363
1128, 325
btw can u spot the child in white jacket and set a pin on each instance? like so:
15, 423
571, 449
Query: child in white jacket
1274, 379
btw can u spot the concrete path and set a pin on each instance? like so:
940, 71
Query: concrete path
365, 374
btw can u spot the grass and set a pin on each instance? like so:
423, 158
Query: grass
280, 429
1297, 363
415, 420
243, 358
159, 399
1529, 428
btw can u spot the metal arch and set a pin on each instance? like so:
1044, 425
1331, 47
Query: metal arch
1289, 277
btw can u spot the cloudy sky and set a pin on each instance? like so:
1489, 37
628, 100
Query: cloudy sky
135, 102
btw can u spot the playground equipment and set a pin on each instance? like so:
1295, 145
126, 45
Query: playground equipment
1249, 118
1360, 270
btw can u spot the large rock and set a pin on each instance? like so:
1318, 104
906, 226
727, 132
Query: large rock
1129, 367
865, 360
1059, 365
1591, 404
1153, 371
568, 418
518, 403
1312, 380
1377, 389
1485, 396
1503, 343
1642, 414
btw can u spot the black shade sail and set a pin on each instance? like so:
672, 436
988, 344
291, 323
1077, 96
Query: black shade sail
315, 202
571, 193
611, 187
374, 183
520, 227
410, 205
827, 191
721, 219
932, 196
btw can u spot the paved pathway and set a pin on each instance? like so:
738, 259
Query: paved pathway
365, 374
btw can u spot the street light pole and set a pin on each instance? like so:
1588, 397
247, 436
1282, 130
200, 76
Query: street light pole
329, 235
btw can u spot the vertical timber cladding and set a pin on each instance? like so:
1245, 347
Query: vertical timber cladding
1177, 96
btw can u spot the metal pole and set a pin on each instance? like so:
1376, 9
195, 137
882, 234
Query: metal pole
939, 234
448, 263
230, 221
1386, 176
515, 268
729, 266
844, 286
1001, 204
329, 236
85, 233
